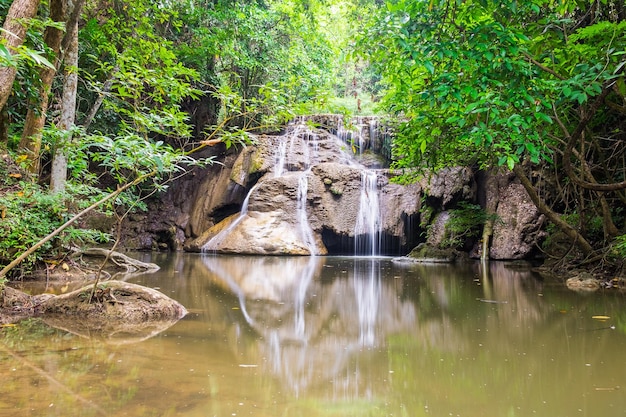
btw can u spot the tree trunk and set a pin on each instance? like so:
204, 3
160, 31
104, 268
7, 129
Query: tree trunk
15, 27
492, 199
58, 174
30, 143
576, 237
4, 129
98, 103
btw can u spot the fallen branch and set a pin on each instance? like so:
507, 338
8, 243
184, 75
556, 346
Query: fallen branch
120, 259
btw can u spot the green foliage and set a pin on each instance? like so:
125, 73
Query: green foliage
22, 53
480, 81
283, 47
30, 213
127, 61
465, 222
620, 246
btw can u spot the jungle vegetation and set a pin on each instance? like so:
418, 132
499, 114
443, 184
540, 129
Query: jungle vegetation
535, 87
104, 102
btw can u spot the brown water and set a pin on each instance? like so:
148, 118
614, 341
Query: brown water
277, 337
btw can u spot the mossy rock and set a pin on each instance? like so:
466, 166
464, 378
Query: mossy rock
583, 282
335, 190
431, 254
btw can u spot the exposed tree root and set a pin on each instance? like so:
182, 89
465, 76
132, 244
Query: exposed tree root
120, 260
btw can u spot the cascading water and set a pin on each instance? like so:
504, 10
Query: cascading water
281, 156
304, 229
368, 228
304, 153
325, 162
213, 244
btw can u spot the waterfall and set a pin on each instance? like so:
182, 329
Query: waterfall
309, 139
281, 156
214, 243
304, 228
291, 165
367, 232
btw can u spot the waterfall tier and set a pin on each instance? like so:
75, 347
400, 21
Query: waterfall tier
317, 189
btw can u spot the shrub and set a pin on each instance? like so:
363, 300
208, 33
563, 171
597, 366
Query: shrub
465, 222
28, 214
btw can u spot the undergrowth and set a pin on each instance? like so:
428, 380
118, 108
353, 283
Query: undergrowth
29, 212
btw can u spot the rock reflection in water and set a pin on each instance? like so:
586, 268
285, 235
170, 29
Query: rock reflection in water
316, 315
312, 328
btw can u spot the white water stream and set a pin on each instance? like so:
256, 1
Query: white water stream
304, 228
214, 243
368, 228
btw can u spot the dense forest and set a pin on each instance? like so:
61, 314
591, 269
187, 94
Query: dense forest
103, 103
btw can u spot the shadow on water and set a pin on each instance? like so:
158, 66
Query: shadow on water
337, 336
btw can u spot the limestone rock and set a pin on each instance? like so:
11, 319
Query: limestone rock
450, 184
518, 227
583, 282
425, 253
277, 218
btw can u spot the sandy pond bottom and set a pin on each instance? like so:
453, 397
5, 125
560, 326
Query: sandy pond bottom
333, 336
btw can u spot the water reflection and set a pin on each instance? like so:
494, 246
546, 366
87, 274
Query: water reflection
302, 322
326, 336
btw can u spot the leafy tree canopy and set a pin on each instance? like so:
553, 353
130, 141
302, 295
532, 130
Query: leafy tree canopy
494, 82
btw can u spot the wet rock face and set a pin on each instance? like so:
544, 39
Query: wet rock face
307, 197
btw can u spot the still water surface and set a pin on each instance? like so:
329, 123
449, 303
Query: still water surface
333, 336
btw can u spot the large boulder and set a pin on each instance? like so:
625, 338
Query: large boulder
519, 224
113, 311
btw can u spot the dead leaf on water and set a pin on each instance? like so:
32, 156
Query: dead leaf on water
601, 318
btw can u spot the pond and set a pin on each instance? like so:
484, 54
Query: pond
334, 336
